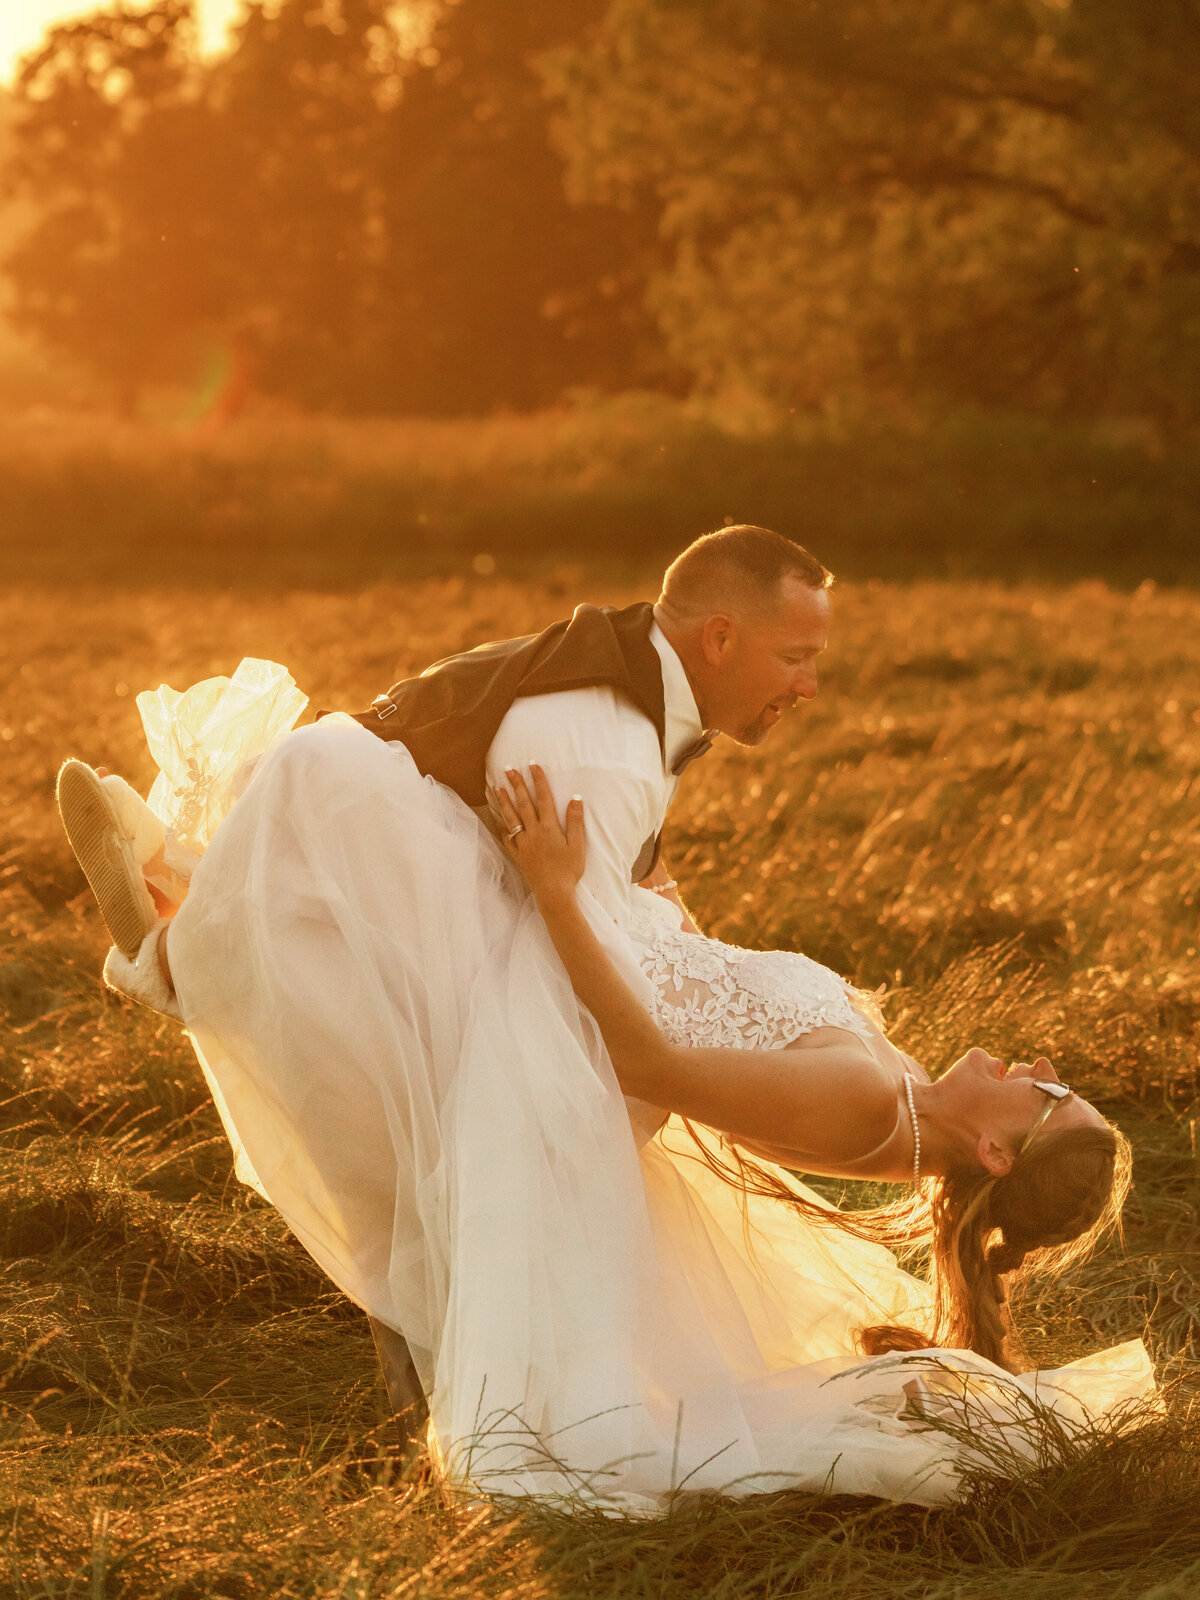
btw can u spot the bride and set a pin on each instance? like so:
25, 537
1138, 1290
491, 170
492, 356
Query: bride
602, 1301
835, 1104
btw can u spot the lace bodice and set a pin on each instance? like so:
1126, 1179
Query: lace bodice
710, 993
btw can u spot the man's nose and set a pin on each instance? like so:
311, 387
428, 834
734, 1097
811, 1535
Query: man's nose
804, 683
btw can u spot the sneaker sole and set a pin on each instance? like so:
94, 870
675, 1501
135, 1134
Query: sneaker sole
107, 861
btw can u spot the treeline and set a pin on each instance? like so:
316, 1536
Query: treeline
456, 207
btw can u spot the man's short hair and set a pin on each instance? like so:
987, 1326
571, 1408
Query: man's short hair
736, 566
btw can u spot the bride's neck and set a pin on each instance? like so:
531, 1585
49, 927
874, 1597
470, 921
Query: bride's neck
946, 1142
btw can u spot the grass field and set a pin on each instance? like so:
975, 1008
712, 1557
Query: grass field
282, 500
994, 809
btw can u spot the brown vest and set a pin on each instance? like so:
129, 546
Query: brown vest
449, 716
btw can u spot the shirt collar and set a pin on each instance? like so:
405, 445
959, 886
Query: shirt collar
682, 725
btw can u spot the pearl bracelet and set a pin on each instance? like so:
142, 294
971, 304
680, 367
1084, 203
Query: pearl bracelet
663, 888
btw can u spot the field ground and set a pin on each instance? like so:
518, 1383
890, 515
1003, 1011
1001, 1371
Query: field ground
994, 809
281, 500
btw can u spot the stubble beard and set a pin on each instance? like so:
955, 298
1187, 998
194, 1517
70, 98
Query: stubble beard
753, 733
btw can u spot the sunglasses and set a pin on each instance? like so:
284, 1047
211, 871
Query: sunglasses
1054, 1092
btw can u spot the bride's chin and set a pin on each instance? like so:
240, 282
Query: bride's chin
976, 1064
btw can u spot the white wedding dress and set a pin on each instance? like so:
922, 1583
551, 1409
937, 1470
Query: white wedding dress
404, 1072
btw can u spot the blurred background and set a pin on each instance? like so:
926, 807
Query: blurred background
322, 290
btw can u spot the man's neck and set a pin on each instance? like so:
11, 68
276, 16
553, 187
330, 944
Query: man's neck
679, 642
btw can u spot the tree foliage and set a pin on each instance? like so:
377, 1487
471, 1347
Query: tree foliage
493, 270
986, 200
368, 220
994, 202
114, 270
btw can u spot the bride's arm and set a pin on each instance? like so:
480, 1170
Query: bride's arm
830, 1100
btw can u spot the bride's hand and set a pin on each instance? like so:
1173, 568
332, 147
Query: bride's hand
551, 859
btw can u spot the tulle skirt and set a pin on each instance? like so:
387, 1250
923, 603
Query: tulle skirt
404, 1072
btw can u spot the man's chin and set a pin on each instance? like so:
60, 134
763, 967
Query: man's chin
753, 733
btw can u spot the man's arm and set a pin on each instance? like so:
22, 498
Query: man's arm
590, 743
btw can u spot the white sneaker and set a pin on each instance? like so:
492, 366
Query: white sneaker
142, 978
108, 835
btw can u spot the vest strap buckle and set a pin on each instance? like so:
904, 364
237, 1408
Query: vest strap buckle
383, 706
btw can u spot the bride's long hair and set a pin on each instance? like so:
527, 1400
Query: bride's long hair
985, 1235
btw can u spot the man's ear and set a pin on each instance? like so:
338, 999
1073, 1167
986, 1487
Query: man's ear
717, 638
993, 1156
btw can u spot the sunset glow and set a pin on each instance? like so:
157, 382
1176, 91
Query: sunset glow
24, 23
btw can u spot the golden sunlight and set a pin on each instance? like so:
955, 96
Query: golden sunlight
23, 24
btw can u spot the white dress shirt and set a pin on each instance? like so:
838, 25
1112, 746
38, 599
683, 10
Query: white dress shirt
596, 743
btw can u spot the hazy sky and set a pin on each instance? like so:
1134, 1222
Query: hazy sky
23, 22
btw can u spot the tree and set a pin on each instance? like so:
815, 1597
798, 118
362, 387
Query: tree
182, 204
497, 286
113, 270
301, 106
364, 224
985, 200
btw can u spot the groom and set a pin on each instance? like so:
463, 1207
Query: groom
614, 704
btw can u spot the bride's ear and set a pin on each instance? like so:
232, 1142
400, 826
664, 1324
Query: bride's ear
993, 1156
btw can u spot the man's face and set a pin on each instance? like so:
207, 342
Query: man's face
768, 663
